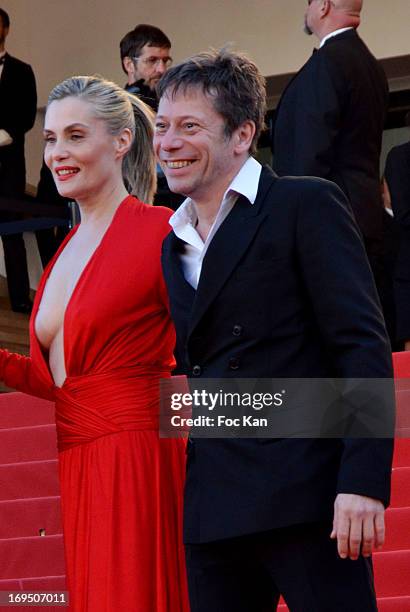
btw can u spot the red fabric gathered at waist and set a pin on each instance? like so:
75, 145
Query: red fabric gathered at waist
91, 406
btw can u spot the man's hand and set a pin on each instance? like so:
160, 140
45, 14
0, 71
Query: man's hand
407, 345
358, 525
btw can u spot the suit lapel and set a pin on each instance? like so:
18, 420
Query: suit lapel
172, 265
229, 244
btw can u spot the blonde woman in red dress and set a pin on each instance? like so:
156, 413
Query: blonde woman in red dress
101, 339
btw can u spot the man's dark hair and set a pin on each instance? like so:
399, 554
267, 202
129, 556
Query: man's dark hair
4, 18
143, 34
233, 82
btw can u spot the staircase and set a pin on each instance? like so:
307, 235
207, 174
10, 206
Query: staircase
31, 541
392, 565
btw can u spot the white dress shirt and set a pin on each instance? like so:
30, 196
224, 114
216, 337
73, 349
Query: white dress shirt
184, 220
335, 33
2, 65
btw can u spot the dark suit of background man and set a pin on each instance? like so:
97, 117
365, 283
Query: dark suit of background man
330, 118
397, 176
267, 277
18, 105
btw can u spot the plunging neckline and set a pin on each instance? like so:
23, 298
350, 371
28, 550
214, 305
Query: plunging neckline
80, 280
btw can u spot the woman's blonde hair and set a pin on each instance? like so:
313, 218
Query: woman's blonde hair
119, 110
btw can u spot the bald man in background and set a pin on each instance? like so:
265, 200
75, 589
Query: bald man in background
330, 119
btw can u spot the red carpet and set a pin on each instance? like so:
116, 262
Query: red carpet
400, 495
31, 545
392, 565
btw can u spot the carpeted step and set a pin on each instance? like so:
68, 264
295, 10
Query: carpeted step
45, 583
384, 604
397, 530
32, 557
392, 573
401, 364
28, 444
400, 493
29, 479
394, 604
51, 584
26, 517
10, 585
401, 457
21, 410
402, 387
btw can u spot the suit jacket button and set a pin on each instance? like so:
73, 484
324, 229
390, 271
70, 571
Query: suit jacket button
234, 363
237, 330
196, 370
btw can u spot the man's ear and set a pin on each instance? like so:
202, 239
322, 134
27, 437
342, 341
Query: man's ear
243, 136
325, 8
128, 64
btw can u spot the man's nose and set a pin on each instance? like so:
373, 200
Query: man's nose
161, 67
171, 140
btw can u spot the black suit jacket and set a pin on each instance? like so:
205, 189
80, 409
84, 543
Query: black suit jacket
18, 105
397, 174
329, 123
289, 273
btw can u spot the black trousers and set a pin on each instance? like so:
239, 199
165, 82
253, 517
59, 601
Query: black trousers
249, 573
15, 257
15, 260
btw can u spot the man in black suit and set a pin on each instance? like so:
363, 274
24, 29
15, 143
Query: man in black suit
397, 177
329, 121
18, 105
267, 278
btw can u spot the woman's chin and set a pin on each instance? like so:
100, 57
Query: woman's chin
65, 192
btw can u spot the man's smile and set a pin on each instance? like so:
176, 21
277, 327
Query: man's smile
178, 163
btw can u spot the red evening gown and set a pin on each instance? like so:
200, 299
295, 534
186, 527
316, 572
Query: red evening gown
121, 485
